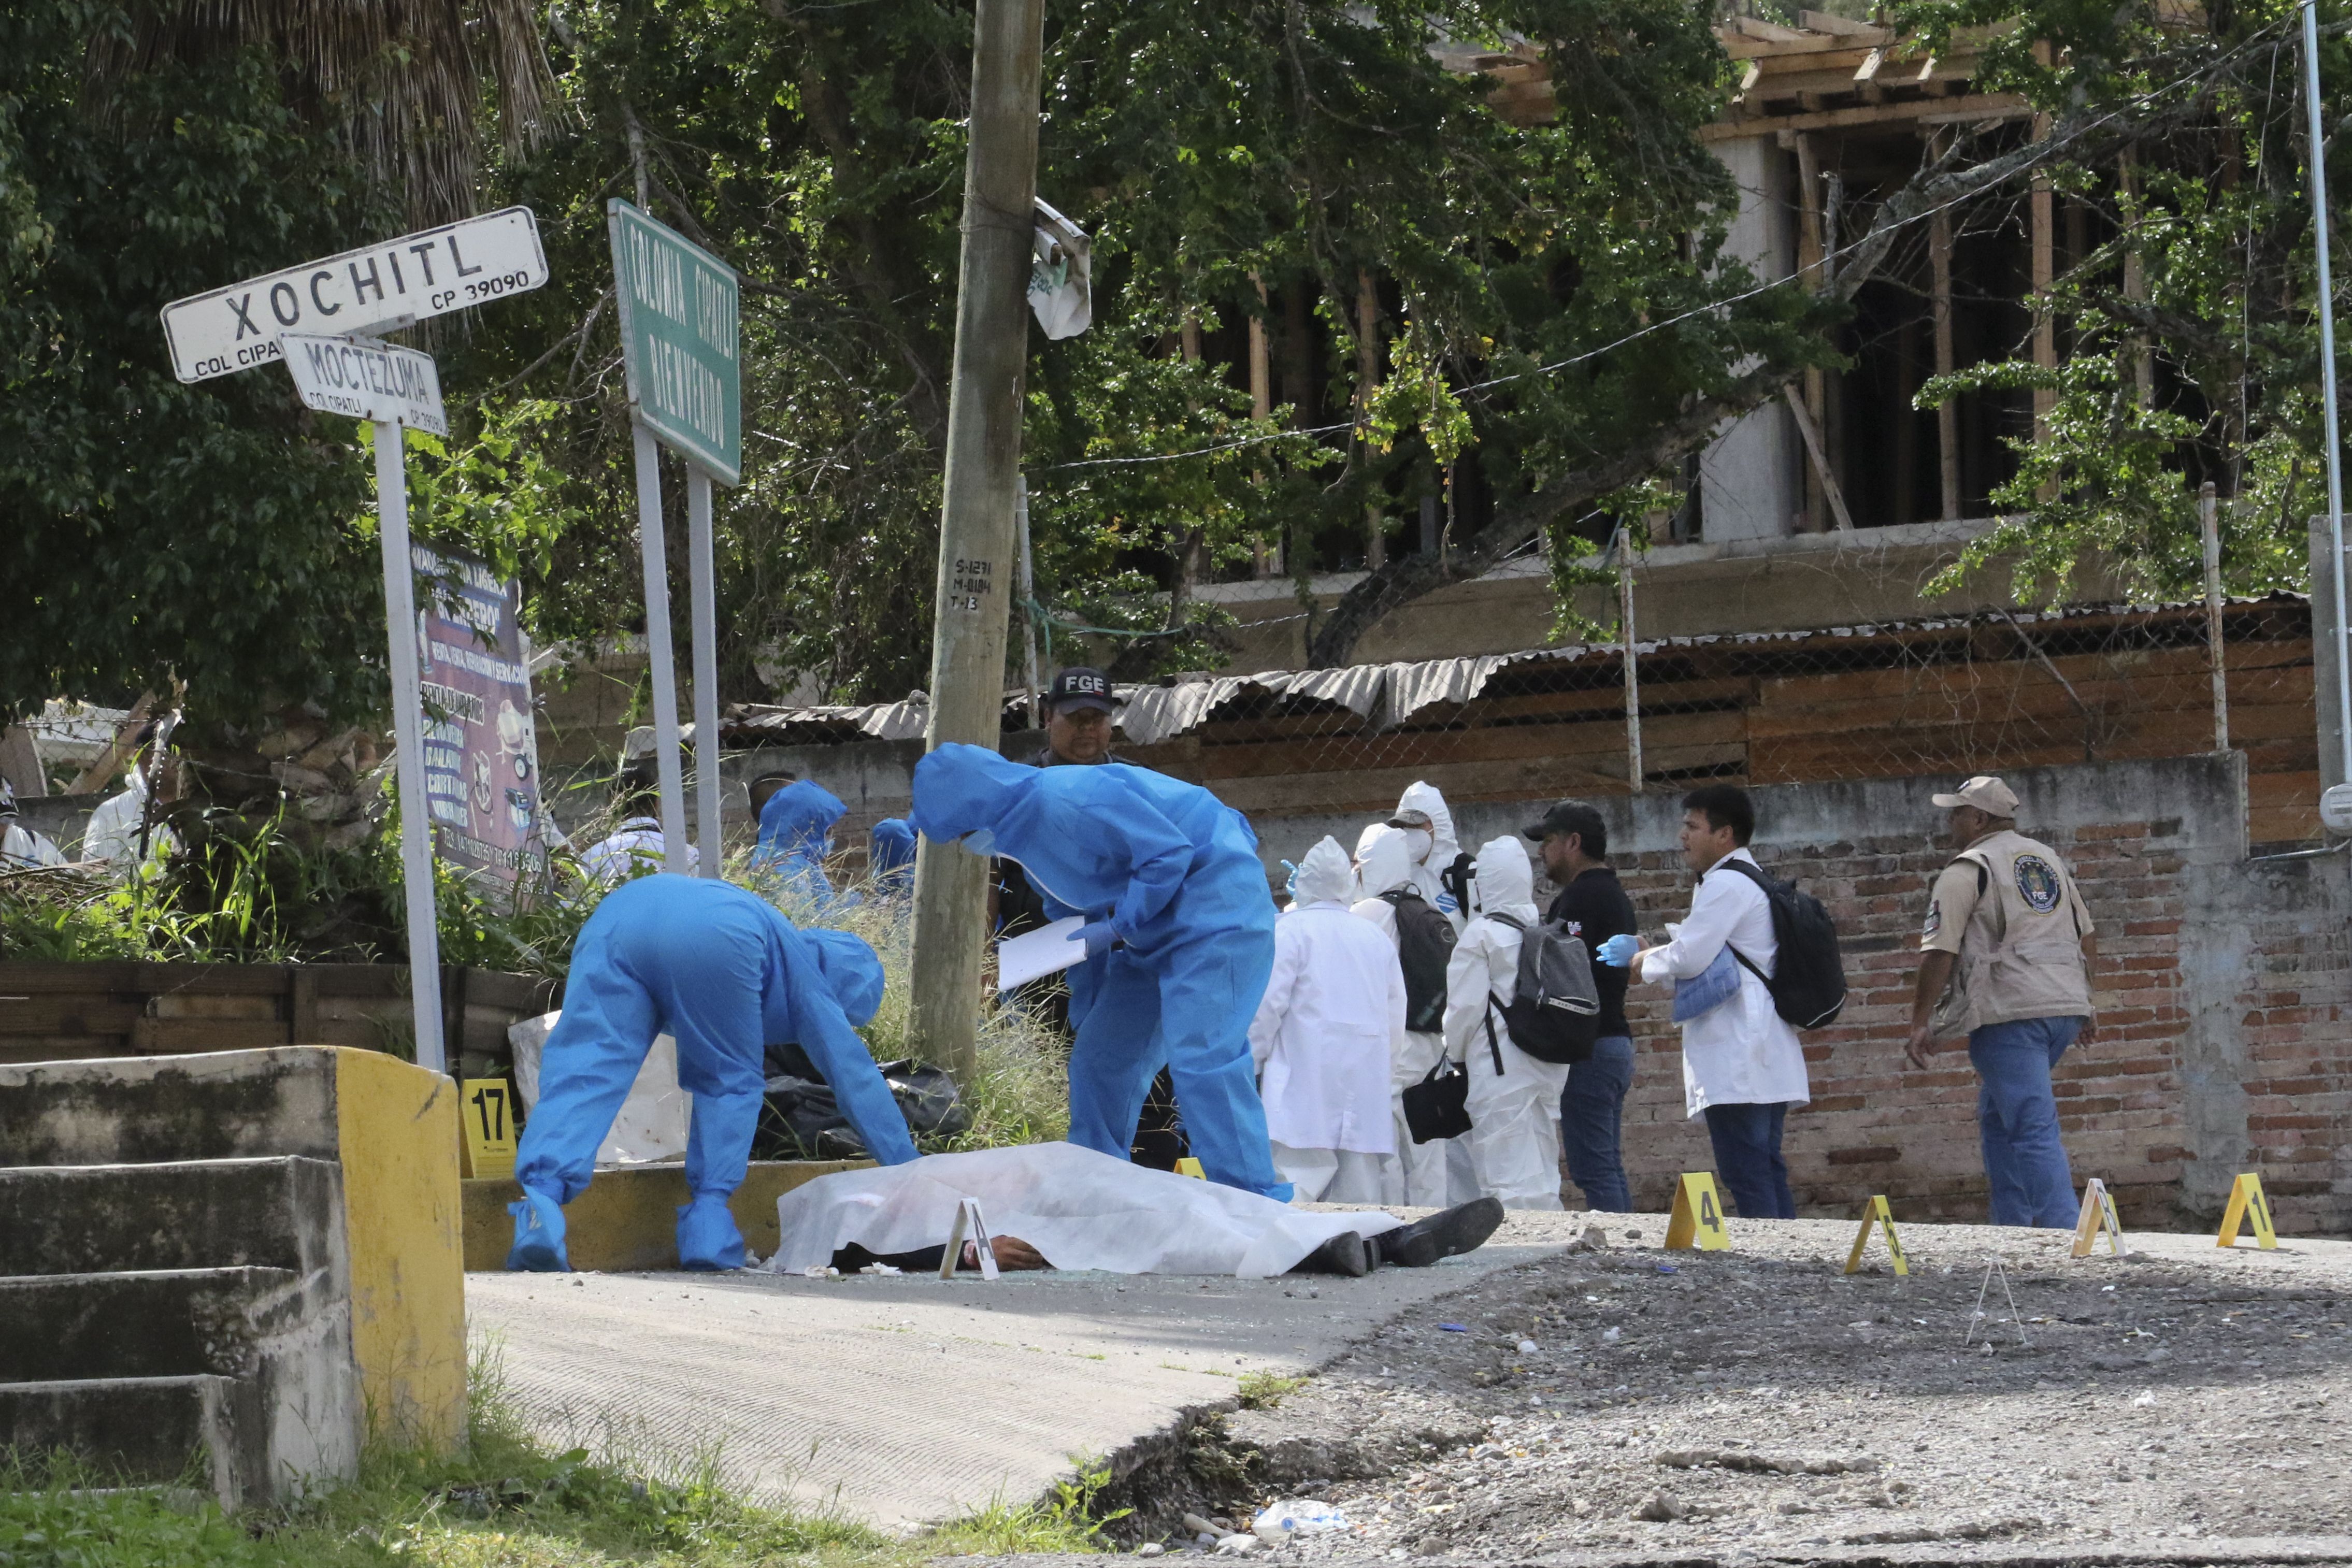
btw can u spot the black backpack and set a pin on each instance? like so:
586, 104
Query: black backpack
1808, 981
1424, 947
1554, 1015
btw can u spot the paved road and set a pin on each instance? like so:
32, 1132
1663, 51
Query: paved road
908, 1400
904, 1401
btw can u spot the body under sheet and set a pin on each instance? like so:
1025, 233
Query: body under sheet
1079, 1209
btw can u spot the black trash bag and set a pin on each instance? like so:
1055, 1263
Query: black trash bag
800, 1119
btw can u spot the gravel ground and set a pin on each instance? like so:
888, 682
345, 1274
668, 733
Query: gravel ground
1632, 1402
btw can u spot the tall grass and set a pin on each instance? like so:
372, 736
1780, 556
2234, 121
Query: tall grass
253, 892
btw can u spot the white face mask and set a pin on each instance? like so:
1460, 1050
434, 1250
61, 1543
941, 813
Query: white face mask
1418, 844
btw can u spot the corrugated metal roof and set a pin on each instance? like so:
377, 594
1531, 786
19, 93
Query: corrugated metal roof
1381, 696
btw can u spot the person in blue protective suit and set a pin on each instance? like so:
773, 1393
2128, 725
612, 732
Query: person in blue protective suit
890, 856
718, 969
796, 831
1178, 937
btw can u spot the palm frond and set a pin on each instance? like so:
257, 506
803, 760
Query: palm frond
408, 84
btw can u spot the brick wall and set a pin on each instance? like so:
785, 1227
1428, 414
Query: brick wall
1876, 1124
2224, 988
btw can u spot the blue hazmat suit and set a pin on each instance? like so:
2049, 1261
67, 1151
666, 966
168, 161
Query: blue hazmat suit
796, 834
890, 855
1174, 873
722, 972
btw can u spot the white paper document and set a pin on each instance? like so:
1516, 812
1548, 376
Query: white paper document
1023, 958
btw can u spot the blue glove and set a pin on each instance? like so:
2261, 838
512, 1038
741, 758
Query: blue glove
1098, 937
1619, 950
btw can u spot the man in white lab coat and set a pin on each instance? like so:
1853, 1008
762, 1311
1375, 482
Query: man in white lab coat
1514, 1099
1416, 1174
1742, 1065
1331, 1021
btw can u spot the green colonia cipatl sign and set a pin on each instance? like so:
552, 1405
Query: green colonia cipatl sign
681, 340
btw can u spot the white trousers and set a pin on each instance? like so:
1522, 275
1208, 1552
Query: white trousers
1329, 1176
1515, 1123
1414, 1176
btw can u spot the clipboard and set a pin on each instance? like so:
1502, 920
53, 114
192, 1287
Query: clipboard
1034, 954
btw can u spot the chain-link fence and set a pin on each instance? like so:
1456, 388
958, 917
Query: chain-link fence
1981, 693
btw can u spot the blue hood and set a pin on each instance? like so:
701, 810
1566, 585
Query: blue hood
1162, 860
891, 847
852, 971
798, 819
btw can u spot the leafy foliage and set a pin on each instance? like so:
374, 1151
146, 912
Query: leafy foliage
2187, 333
154, 528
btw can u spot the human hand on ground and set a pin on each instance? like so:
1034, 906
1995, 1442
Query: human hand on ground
1016, 1255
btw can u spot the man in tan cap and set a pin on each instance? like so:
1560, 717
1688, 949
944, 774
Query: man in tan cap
2005, 960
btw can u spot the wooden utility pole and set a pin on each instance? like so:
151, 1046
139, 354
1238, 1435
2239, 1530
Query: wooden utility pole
976, 523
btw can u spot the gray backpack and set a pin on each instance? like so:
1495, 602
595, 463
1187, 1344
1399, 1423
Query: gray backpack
1555, 1014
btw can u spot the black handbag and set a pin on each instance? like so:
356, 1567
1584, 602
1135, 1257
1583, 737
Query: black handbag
1438, 1106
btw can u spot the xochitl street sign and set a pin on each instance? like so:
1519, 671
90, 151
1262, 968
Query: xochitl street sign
367, 380
680, 340
319, 318
429, 273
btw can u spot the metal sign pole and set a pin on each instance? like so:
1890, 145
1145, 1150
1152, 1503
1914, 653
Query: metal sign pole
2327, 376
706, 666
660, 663
408, 740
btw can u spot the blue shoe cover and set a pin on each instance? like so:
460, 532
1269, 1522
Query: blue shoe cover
706, 1237
539, 1236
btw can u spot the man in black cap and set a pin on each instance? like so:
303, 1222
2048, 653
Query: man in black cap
1575, 847
1078, 708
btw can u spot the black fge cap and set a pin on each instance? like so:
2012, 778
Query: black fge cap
1080, 687
1565, 816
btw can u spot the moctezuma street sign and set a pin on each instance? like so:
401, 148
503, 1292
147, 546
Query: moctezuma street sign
367, 380
429, 273
680, 340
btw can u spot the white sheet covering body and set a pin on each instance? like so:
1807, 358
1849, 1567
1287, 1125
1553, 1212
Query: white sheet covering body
1079, 1209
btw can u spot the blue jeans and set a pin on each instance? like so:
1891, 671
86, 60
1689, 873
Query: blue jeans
2017, 1116
1591, 1112
1746, 1141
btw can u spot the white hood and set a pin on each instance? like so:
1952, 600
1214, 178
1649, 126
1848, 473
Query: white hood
1426, 799
1507, 879
1382, 865
1324, 875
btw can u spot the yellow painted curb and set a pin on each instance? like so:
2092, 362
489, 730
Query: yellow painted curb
627, 1219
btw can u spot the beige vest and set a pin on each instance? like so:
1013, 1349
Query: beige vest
2021, 954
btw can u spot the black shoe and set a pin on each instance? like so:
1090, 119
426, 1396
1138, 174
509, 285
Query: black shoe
1343, 1254
1445, 1234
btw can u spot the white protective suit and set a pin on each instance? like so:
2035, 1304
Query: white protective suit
1079, 1209
1330, 1022
21, 848
112, 831
1514, 1113
1415, 1173
634, 849
1432, 855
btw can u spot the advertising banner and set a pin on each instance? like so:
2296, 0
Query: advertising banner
481, 749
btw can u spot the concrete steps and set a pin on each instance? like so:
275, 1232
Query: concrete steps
217, 1267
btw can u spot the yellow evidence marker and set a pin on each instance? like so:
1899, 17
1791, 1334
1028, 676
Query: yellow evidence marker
1875, 1212
1698, 1217
2247, 1202
1189, 1166
2098, 1214
488, 1148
